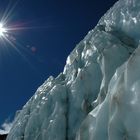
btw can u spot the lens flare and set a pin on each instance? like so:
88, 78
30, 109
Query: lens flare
10, 31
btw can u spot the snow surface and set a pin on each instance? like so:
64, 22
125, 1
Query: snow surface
97, 95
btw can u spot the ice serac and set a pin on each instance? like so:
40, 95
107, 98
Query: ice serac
97, 95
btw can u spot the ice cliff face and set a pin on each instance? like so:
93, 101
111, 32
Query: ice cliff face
97, 97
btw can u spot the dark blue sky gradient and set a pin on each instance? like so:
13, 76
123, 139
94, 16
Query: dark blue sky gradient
55, 28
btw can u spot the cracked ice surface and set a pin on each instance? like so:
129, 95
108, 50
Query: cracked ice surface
97, 95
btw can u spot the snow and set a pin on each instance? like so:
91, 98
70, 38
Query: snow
97, 95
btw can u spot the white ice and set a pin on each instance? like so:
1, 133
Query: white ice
97, 96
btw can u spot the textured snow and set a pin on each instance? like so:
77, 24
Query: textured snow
97, 95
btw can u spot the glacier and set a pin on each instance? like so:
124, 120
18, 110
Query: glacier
97, 96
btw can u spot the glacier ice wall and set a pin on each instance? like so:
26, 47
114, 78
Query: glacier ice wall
97, 96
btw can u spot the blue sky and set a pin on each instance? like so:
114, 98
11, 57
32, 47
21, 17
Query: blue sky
47, 32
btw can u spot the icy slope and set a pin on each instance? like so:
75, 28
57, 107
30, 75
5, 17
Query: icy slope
118, 116
97, 95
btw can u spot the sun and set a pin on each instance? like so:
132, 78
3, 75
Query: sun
2, 30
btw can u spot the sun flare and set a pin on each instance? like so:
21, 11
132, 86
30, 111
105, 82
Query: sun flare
2, 30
